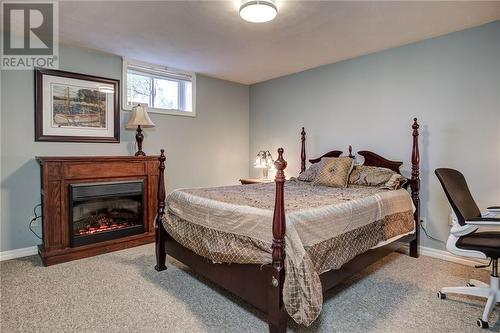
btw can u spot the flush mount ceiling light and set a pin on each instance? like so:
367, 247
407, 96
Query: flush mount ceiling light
258, 11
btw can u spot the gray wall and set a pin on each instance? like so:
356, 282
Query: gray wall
211, 149
451, 83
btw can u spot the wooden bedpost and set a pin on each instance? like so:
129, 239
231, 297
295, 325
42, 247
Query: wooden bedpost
415, 188
277, 316
350, 152
303, 151
160, 232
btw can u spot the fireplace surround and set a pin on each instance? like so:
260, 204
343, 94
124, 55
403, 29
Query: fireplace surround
96, 204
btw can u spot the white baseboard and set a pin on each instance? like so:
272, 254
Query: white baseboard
18, 253
445, 255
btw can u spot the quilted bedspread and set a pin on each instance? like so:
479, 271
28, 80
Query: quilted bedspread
325, 228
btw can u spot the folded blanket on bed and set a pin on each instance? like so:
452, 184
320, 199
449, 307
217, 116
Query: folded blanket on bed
325, 228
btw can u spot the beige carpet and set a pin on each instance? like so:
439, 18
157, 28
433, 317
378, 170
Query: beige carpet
121, 292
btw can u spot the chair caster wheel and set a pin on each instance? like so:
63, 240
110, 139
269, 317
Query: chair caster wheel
470, 285
441, 295
481, 323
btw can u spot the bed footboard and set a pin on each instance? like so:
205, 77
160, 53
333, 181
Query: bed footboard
415, 188
277, 316
160, 232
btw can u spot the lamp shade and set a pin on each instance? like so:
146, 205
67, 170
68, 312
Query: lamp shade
264, 160
140, 117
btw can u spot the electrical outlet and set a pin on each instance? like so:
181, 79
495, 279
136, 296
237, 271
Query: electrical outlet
35, 222
423, 222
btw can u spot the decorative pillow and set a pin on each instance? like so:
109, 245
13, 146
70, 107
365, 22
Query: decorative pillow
311, 172
395, 182
335, 172
376, 176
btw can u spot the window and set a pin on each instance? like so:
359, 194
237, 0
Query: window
162, 89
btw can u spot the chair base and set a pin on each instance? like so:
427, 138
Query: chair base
480, 289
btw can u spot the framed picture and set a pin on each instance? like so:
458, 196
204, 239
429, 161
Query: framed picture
71, 107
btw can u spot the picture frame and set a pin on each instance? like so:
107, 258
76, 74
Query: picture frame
74, 107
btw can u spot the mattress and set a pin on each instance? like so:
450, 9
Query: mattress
325, 228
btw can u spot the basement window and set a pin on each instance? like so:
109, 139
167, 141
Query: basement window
163, 89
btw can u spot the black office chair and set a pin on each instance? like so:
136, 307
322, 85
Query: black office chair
466, 241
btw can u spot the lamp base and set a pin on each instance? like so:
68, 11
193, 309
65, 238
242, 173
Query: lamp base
139, 137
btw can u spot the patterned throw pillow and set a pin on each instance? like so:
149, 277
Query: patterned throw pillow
395, 182
376, 176
335, 172
312, 171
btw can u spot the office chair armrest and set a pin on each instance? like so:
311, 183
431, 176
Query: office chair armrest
484, 221
493, 209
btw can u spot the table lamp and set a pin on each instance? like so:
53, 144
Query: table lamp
140, 118
265, 162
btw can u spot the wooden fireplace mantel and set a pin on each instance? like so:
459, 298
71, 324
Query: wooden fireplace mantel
58, 172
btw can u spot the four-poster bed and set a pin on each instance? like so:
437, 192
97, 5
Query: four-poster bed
260, 284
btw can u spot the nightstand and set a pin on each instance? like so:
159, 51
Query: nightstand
247, 181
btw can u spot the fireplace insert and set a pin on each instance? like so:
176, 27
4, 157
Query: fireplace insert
105, 211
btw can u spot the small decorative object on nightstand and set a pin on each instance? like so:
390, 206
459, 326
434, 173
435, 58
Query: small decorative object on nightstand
140, 118
246, 181
265, 162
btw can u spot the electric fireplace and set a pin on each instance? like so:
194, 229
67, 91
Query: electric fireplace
90, 202
104, 211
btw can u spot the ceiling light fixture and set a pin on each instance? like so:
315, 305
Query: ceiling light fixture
258, 11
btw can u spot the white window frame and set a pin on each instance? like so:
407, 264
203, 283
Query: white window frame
168, 71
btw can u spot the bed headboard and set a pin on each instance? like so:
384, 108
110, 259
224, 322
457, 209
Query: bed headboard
333, 153
371, 158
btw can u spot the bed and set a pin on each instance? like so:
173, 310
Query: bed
282, 255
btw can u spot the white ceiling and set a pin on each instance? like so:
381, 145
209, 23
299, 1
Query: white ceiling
208, 37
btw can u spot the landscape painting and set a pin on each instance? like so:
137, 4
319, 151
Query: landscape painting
78, 107
73, 107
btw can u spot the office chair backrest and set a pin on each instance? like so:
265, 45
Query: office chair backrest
458, 194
